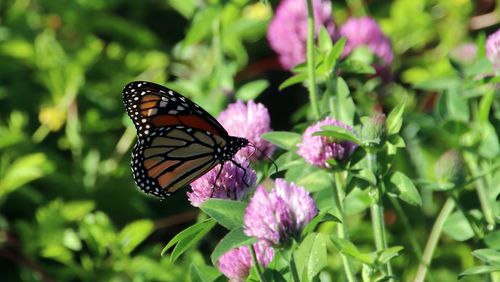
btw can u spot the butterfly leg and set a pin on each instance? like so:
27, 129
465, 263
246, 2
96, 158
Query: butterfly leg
244, 172
216, 178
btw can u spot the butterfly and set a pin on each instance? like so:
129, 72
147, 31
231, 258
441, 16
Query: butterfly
177, 140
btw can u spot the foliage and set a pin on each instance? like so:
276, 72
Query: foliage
69, 209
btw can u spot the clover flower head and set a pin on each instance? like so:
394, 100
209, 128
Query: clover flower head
316, 150
280, 215
236, 263
287, 33
493, 49
365, 31
233, 182
249, 120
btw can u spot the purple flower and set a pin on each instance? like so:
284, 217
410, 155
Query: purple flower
236, 263
464, 53
316, 150
229, 185
280, 215
250, 121
493, 49
365, 31
287, 32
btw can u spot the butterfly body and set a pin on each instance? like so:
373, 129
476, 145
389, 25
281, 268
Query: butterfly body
177, 141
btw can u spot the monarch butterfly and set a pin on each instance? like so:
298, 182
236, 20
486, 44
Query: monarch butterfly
177, 140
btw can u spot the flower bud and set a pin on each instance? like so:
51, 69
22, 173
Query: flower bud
374, 131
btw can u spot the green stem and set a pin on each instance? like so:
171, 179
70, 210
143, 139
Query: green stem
481, 189
431, 244
310, 60
256, 264
338, 197
376, 211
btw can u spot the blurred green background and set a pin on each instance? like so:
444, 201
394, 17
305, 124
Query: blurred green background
69, 209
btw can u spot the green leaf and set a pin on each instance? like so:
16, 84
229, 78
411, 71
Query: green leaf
338, 133
235, 238
395, 119
488, 256
298, 78
134, 233
367, 175
406, 189
456, 105
334, 53
201, 24
346, 109
389, 253
310, 256
203, 273
315, 181
24, 170
227, 213
251, 90
288, 160
283, 139
357, 201
355, 66
188, 237
346, 247
439, 83
492, 239
324, 216
480, 270
457, 227
324, 40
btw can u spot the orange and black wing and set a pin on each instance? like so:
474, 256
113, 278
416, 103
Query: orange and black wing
170, 158
152, 106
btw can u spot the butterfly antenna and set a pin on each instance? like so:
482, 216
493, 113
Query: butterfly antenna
266, 156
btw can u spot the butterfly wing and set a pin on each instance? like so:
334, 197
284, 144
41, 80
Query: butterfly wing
172, 157
177, 139
151, 106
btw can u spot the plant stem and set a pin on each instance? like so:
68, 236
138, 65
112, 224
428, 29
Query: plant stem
431, 244
481, 189
255, 262
310, 60
338, 197
376, 211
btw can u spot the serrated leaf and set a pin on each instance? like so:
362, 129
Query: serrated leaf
310, 256
235, 238
134, 233
298, 78
407, 190
395, 119
188, 238
251, 90
338, 133
283, 139
227, 213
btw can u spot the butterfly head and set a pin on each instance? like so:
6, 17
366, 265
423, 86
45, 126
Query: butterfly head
233, 145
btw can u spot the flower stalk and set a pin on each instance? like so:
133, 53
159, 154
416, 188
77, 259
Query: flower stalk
376, 211
338, 197
431, 244
310, 60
